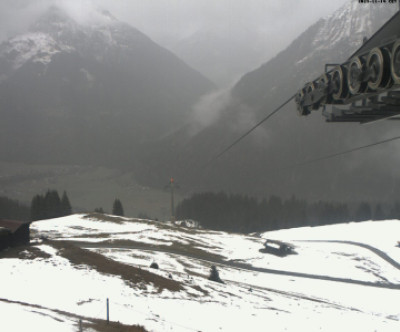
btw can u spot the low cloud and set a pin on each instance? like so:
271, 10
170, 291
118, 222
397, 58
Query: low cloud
240, 117
163, 19
84, 11
209, 108
16, 17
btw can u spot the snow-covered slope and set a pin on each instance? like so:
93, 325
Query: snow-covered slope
326, 286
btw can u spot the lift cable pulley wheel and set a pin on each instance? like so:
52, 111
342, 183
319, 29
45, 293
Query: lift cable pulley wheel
378, 64
395, 62
338, 84
355, 75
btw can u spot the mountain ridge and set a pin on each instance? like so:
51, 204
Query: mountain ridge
331, 39
68, 83
265, 162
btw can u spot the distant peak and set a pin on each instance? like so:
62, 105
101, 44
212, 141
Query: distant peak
52, 20
54, 13
58, 17
107, 14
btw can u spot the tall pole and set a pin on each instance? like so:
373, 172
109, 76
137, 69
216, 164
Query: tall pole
108, 311
172, 200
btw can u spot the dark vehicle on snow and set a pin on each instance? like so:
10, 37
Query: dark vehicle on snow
278, 248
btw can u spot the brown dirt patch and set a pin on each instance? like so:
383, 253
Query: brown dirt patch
114, 219
198, 288
24, 252
103, 217
97, 324
176, 248
102, 264
103, 326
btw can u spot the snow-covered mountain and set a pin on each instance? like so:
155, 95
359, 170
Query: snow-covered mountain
330, 40
342, 278
265, 163
70, 82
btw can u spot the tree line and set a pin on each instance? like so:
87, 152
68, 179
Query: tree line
117, 208
50, 205
240, 213
45, 206
221, 211
13, 209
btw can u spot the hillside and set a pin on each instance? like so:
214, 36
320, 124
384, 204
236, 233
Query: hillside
273, 159
104, 95
330, 40
89, 93
75, 263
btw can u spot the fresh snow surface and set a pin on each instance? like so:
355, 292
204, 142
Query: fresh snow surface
19, 318
348, 25
35, 46
32, 289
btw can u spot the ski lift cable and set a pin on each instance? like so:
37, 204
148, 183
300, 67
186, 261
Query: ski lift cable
254, 127
276, 110
306, 162
311, 161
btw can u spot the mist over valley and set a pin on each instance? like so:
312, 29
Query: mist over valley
90, 90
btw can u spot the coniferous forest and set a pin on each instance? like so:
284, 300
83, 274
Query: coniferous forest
227, 212
50, 206
239, 213
12, 209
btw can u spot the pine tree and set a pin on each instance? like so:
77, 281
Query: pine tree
99, 210
363, 212
378, 213
395, 211
53, 204
50, 206
66, 208
12, 209
38, 208
117, 209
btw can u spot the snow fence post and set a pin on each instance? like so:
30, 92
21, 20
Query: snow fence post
108, 311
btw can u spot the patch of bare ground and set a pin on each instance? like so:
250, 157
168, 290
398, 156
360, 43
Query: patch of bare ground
161, 225
100, 235
114, 219
103, 326
78, 256
176, 248
96, 324
181, 229
28, 251
104, 217
201, 290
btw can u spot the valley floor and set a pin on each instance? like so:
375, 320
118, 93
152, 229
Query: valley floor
343, 277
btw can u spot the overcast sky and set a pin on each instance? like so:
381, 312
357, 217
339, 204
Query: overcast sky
171, 19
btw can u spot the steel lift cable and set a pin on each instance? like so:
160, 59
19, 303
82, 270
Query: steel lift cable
252, 128
307, 161
311, 161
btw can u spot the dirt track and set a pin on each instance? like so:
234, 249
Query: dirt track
247, 267
376, 251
